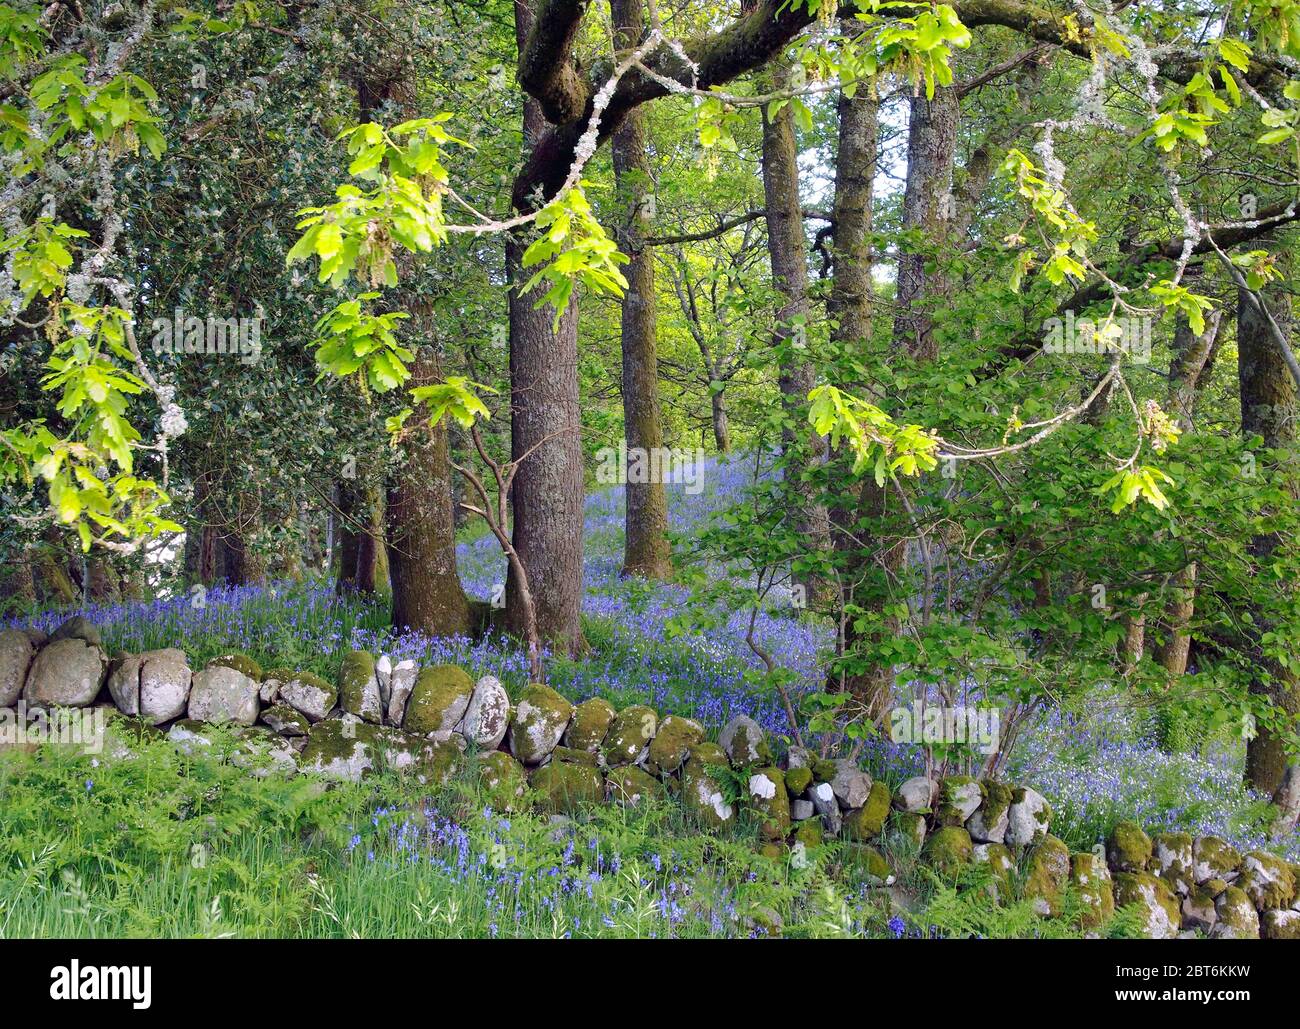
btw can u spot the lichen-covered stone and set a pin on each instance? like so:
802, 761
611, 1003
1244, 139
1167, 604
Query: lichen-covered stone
1267, 880
359, 687
850, 784
308, 693
347, 748
1128, 848
1091, 879
866, 823
487, 716
1171, 859
1280, 925
959, 797
823, 769
809, 833
871, 863
629, 735
503, 780
1047, 870
702, 794
221, 693
917, 794
989, 822
401, 682
949, 849
744, 742
1213, 858
1028, 818
1236, 917
286, 720
565, 788
78, 627
66, 673
628, 784
438, 701
768, 798
16, 653
1161, 915
540, 721
1198, 907
591, 721
241, 663
825, 804
797, 780
672, 744
153, 686
801, 810
1000, 863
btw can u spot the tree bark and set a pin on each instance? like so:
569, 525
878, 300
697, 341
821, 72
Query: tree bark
350, 520
646, 551
427, 594
1268, 409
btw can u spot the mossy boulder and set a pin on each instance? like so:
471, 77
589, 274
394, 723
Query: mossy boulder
797, 780
1198, 906
1213, 858
566, 787
870, 862
1047, 870
672, 744
241, 663
1128, 848
745, 743
768, 798
809, 833
850, 784
628, 785
1171, 859
1028, 818
487, 716
16, 653
438, 700
503, 780
65, 673
221, 693
702, 793
1092, 881
1280, 925
823, 769
908, 825
949, 849
1151, 895
917, 794
630, 734
1235, 916
591, 721
359, 687
540, 721
347, 748
307, 693
866, 823
989, 822
286, 720
1002, 866
959, 798
576, 757
1267, 880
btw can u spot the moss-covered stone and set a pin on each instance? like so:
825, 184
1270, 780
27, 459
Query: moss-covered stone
1280, 925
809, 833
1235, 916
359, 687
745, 743
591, 721
1171, 859
630, 734
503, 780
629, 785
824, 769
565, 787
1002, 866
768, 798
574, 756
1128, 848
672, 744
438, 700
1047, 869
347, 748
1267, 880
1028, 819
1198, 907
989, 823
959, 797
305, 692
949, 849
286, 721
870, 862
866, 823
1213, 858
1091, 879
1161, 914
540, 721
239, 662
908, 825
702, 794
797, 780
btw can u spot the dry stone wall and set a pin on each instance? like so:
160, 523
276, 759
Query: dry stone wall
559, 757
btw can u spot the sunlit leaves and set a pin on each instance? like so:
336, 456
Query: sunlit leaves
875, 440
1128, 486
41, 256
1053, 209
1183, 300
454, 397
352, 341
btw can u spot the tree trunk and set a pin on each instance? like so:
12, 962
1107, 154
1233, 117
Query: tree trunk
350, 520
427, 594
547, 495
1268, 409
646, 552
721, 425
786, 252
